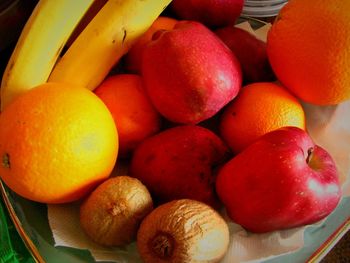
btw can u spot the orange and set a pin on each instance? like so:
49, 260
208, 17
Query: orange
259, 108
57, 142
309, 49
134, 57
134, 115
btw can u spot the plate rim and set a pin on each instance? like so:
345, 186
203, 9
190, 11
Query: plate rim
33, 250
316, 256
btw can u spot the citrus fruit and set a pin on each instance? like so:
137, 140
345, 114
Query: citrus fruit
134, 57
134, 115
259, 108
57, 142
309, 49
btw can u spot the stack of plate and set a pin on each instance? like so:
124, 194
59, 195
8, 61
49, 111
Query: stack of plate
262, 8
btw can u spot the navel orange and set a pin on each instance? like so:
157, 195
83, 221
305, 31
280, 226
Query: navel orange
309, 49
259, 108
57, 142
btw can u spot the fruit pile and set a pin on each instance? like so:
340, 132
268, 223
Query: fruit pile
206, 116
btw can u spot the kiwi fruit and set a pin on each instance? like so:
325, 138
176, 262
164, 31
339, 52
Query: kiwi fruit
112, 213
183, 231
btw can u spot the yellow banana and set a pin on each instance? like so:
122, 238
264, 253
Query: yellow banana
107, 37
39, 45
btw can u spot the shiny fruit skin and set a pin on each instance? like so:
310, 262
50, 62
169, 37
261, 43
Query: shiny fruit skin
57, 142
133, 58
259, 108
281, 181
189, 74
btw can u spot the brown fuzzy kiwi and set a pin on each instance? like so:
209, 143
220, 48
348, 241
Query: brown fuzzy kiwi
112, 213
183, 231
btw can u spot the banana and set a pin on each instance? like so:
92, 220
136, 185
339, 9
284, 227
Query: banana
39, 45
107, 37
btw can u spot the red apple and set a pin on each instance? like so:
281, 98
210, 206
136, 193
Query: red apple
283, 180
212, 13
251, 53
189, 74
179, 163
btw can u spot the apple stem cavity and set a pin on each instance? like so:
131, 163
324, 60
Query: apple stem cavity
156, 35
309, 154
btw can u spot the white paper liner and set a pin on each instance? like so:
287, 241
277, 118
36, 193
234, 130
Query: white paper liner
65, 226
328, 126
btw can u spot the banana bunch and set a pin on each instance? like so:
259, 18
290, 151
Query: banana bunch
40, 44
106, 38
37, 57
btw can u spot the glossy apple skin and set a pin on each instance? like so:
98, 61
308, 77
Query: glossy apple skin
277, 184
212, 13
189, 74
180, 162
250, 52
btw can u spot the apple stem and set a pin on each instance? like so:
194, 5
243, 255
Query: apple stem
309, 154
